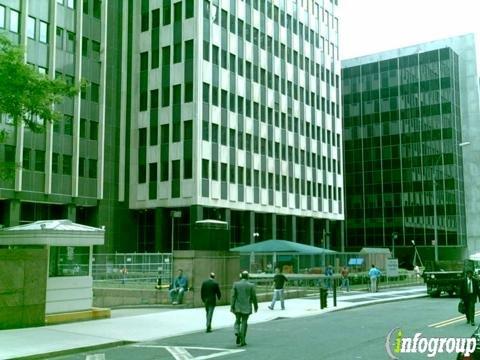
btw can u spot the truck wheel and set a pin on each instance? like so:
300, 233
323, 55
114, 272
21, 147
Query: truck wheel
450, 293
435, 294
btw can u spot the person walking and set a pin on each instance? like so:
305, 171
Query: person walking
374, 274
345, 281
210, 292
279, 281
243, 297
469, 292
328, 277
178, 287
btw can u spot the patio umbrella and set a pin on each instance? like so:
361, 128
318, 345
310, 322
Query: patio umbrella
274, 246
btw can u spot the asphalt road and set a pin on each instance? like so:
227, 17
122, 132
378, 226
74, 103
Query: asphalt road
358, 333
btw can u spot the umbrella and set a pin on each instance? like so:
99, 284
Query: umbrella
281, 246
274, 246
475, 256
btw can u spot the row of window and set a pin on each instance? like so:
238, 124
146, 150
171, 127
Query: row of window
68, 3
65, 40
166, 13
88, 129
93, 49
228, 61
96, 7
61, 163
13, 19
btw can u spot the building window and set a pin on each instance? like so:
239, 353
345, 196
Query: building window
39, 160
81, 166
2, 16
71, 4
167, 10
205, 168
97, 8
55, 157
31, 27
96, 50
93, 130
92, 168
84, 46
70, 42
43, 32
94, 94
59, 38
68, 125
67, 165
83, 128
26, 158
14, 15
189, 9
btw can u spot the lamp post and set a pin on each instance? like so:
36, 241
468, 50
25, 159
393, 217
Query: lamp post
173, 215
394, 237
434, 183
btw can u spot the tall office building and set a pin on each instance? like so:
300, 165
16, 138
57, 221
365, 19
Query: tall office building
233, 115
71, 169
407, 113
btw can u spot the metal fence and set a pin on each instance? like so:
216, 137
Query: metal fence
131, 268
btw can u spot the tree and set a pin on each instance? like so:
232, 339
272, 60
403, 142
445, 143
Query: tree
25, 94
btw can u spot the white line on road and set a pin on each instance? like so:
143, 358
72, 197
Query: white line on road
182, 353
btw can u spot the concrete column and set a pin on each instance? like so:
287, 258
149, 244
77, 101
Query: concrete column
228, 218
327, 234
274, 226
293, 228
310, 234
250, 218
72, 212
162, 241
13, 218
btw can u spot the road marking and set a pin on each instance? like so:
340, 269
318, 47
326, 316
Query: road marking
181, 352
450, 321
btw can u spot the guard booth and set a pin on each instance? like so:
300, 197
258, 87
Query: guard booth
61, 277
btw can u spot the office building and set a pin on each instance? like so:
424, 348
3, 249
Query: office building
408, 114
71, 169
234, 115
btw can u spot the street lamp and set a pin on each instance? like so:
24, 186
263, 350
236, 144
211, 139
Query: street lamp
434, 182
394, 237
173, 215
255, 236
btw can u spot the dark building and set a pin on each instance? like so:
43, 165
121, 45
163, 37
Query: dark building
406, 119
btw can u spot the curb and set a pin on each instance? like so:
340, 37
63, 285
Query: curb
76, 350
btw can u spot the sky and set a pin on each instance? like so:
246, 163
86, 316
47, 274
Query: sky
370, 26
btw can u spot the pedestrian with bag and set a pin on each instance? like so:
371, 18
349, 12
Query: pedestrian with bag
243, 298
469, 292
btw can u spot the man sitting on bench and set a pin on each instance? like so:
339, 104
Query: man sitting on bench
179, 286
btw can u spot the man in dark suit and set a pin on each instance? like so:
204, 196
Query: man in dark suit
243, 297
469, 292
210, 292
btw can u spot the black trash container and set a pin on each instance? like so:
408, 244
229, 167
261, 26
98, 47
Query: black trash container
323, 297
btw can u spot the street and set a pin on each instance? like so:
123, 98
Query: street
358, 333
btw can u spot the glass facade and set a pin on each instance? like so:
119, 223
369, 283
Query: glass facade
402, 131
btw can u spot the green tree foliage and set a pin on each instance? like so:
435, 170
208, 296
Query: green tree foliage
25, 94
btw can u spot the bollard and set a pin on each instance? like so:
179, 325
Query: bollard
335, 292
323, 297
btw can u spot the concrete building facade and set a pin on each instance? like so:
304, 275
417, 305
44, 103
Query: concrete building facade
70, 170
235, 115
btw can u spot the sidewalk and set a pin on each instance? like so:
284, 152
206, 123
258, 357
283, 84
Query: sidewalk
129, 326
